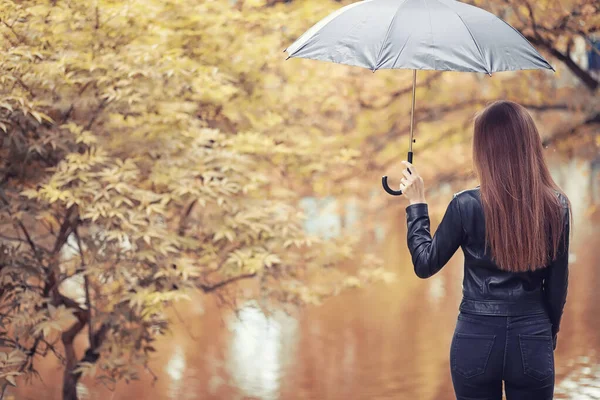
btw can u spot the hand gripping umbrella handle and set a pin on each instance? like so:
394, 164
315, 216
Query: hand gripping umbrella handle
384, 182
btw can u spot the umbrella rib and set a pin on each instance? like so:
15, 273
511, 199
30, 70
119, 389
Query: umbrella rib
470, 34
387, 34
431, 33
401, 50
476, 44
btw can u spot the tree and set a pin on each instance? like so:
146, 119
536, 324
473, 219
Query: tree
143, 157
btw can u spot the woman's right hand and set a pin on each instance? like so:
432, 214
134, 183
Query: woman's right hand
412, 185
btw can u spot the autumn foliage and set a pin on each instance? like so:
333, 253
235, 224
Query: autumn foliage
151, 148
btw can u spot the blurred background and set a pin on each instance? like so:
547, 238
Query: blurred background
186, 215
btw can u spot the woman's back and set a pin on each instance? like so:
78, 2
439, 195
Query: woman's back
487, 289
514, 233
484, 281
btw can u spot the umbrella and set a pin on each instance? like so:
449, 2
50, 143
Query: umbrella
444, 35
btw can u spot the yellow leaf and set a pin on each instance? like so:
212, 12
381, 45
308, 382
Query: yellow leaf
37, 116
271, 259
16, 356
11, 379
352, 282
46, 117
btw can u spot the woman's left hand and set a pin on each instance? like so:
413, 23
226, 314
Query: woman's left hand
412, 184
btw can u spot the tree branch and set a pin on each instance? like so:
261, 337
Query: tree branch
561, 28
587, 79
186, 214
536, 38
32, 245
545, 107
422, 115
590, 120
13, 31
210, 288
66, 228
400, 92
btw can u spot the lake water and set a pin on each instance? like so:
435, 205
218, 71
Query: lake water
388, 341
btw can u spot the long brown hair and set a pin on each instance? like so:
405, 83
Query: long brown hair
524, 218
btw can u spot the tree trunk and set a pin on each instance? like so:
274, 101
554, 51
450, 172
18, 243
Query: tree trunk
70, 384
70, 378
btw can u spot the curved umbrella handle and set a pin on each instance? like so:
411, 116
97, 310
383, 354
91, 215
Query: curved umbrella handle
388, 189
384, 182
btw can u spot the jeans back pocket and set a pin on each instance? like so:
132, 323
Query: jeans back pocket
470, 353
537, 355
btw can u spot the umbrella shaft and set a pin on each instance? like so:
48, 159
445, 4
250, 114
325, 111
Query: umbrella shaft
412, 109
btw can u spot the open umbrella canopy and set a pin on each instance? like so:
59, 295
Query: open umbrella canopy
418, 34
442, 35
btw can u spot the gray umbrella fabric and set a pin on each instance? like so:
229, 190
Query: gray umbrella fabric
442, 35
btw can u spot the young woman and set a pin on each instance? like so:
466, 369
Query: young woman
514, 233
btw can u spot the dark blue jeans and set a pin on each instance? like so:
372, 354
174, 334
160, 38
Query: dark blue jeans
487, 350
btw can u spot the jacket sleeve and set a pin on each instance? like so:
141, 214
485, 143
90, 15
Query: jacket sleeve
429, 254
557, 281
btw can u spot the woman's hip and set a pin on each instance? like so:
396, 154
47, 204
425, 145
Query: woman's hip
486, 350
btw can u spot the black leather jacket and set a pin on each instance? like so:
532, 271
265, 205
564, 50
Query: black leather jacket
487, 290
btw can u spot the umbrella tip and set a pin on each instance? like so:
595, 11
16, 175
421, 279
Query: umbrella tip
288, 57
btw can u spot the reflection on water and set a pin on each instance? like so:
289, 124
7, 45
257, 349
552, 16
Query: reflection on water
322, 216
582, 382
256, 350
594, 179
385, 342
572, 176
328, 217
175, 369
